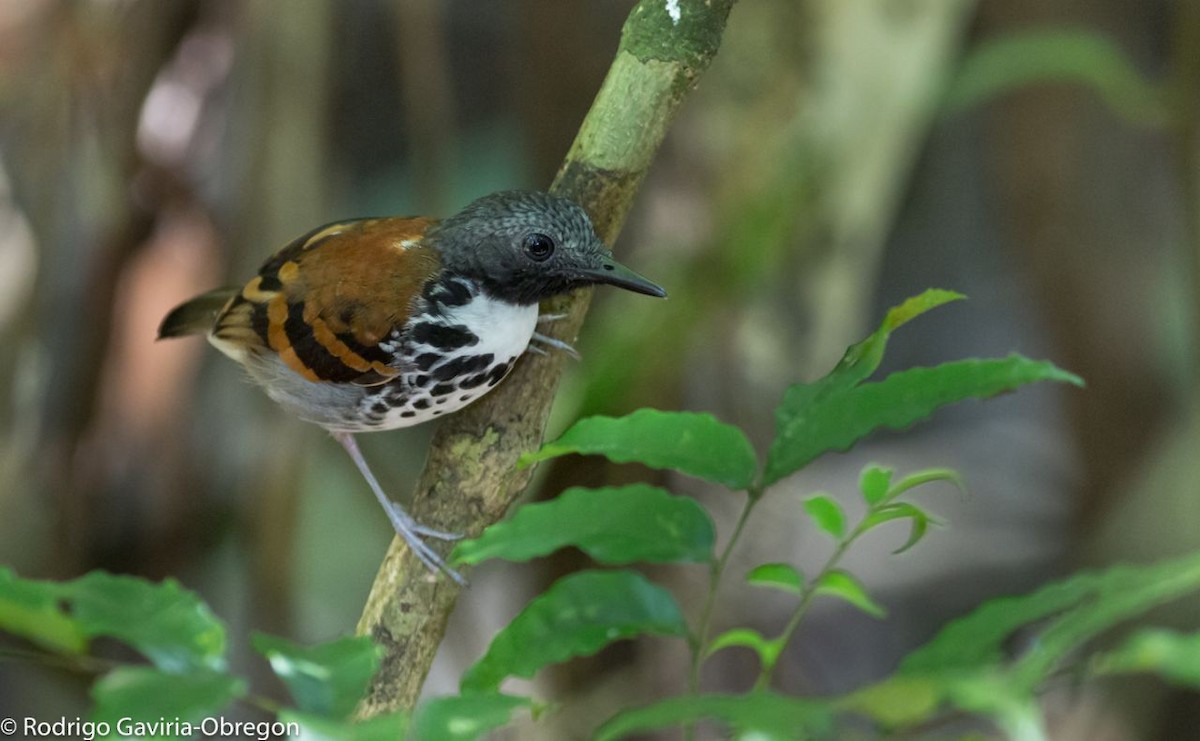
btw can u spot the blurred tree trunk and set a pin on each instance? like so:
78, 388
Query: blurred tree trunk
428, 89
1073, 214
556, 82
81, 128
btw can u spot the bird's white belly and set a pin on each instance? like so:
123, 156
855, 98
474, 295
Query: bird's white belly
502, 333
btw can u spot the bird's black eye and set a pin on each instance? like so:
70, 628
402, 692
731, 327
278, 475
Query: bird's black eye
538, 246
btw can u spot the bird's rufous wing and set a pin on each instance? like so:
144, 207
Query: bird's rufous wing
326, 302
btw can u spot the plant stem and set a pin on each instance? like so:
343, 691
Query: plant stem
806, 597
699, 641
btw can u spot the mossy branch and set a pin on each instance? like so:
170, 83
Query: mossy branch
470, 479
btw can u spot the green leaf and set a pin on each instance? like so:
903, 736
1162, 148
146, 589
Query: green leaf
858, 362
30, 609
320, 728
764, 715
897, 511
160, 701
465, 717
898, 701
613, 525
927, 476
1074, 611
827, 514
842, 584
328, 679
577, 616
782, 576
874, 484
969, 666
167, 623
1171, 655
767, 650
692, 443
830, 415
1091, 59
907, 700
861, 359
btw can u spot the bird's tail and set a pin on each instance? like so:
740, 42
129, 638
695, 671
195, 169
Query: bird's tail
196, 316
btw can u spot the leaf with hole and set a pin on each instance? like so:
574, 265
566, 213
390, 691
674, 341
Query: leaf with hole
30, 609
328, 679
692, 443
577, 616
613, 525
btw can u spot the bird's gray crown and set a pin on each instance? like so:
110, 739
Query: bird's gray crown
526, 246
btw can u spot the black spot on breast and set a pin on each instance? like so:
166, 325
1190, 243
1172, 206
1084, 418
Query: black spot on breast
436, 412
465, 397
497, 374
380, 407
449, 294
444, 337
442, 389
425, 361
421, 380
462, 366
421, 403
473, 381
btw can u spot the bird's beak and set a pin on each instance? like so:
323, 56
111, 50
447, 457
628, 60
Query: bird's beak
615, 274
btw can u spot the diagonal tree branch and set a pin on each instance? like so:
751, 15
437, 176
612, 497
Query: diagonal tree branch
470, 479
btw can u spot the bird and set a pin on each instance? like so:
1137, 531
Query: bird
380, 323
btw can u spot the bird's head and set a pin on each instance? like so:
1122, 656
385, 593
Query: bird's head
526, 246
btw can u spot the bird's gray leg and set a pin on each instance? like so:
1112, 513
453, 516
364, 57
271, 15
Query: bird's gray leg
403, 523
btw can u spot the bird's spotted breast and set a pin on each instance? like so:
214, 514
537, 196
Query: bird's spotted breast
458, 346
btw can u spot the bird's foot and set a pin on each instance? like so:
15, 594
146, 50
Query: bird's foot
552, 342
413, 533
